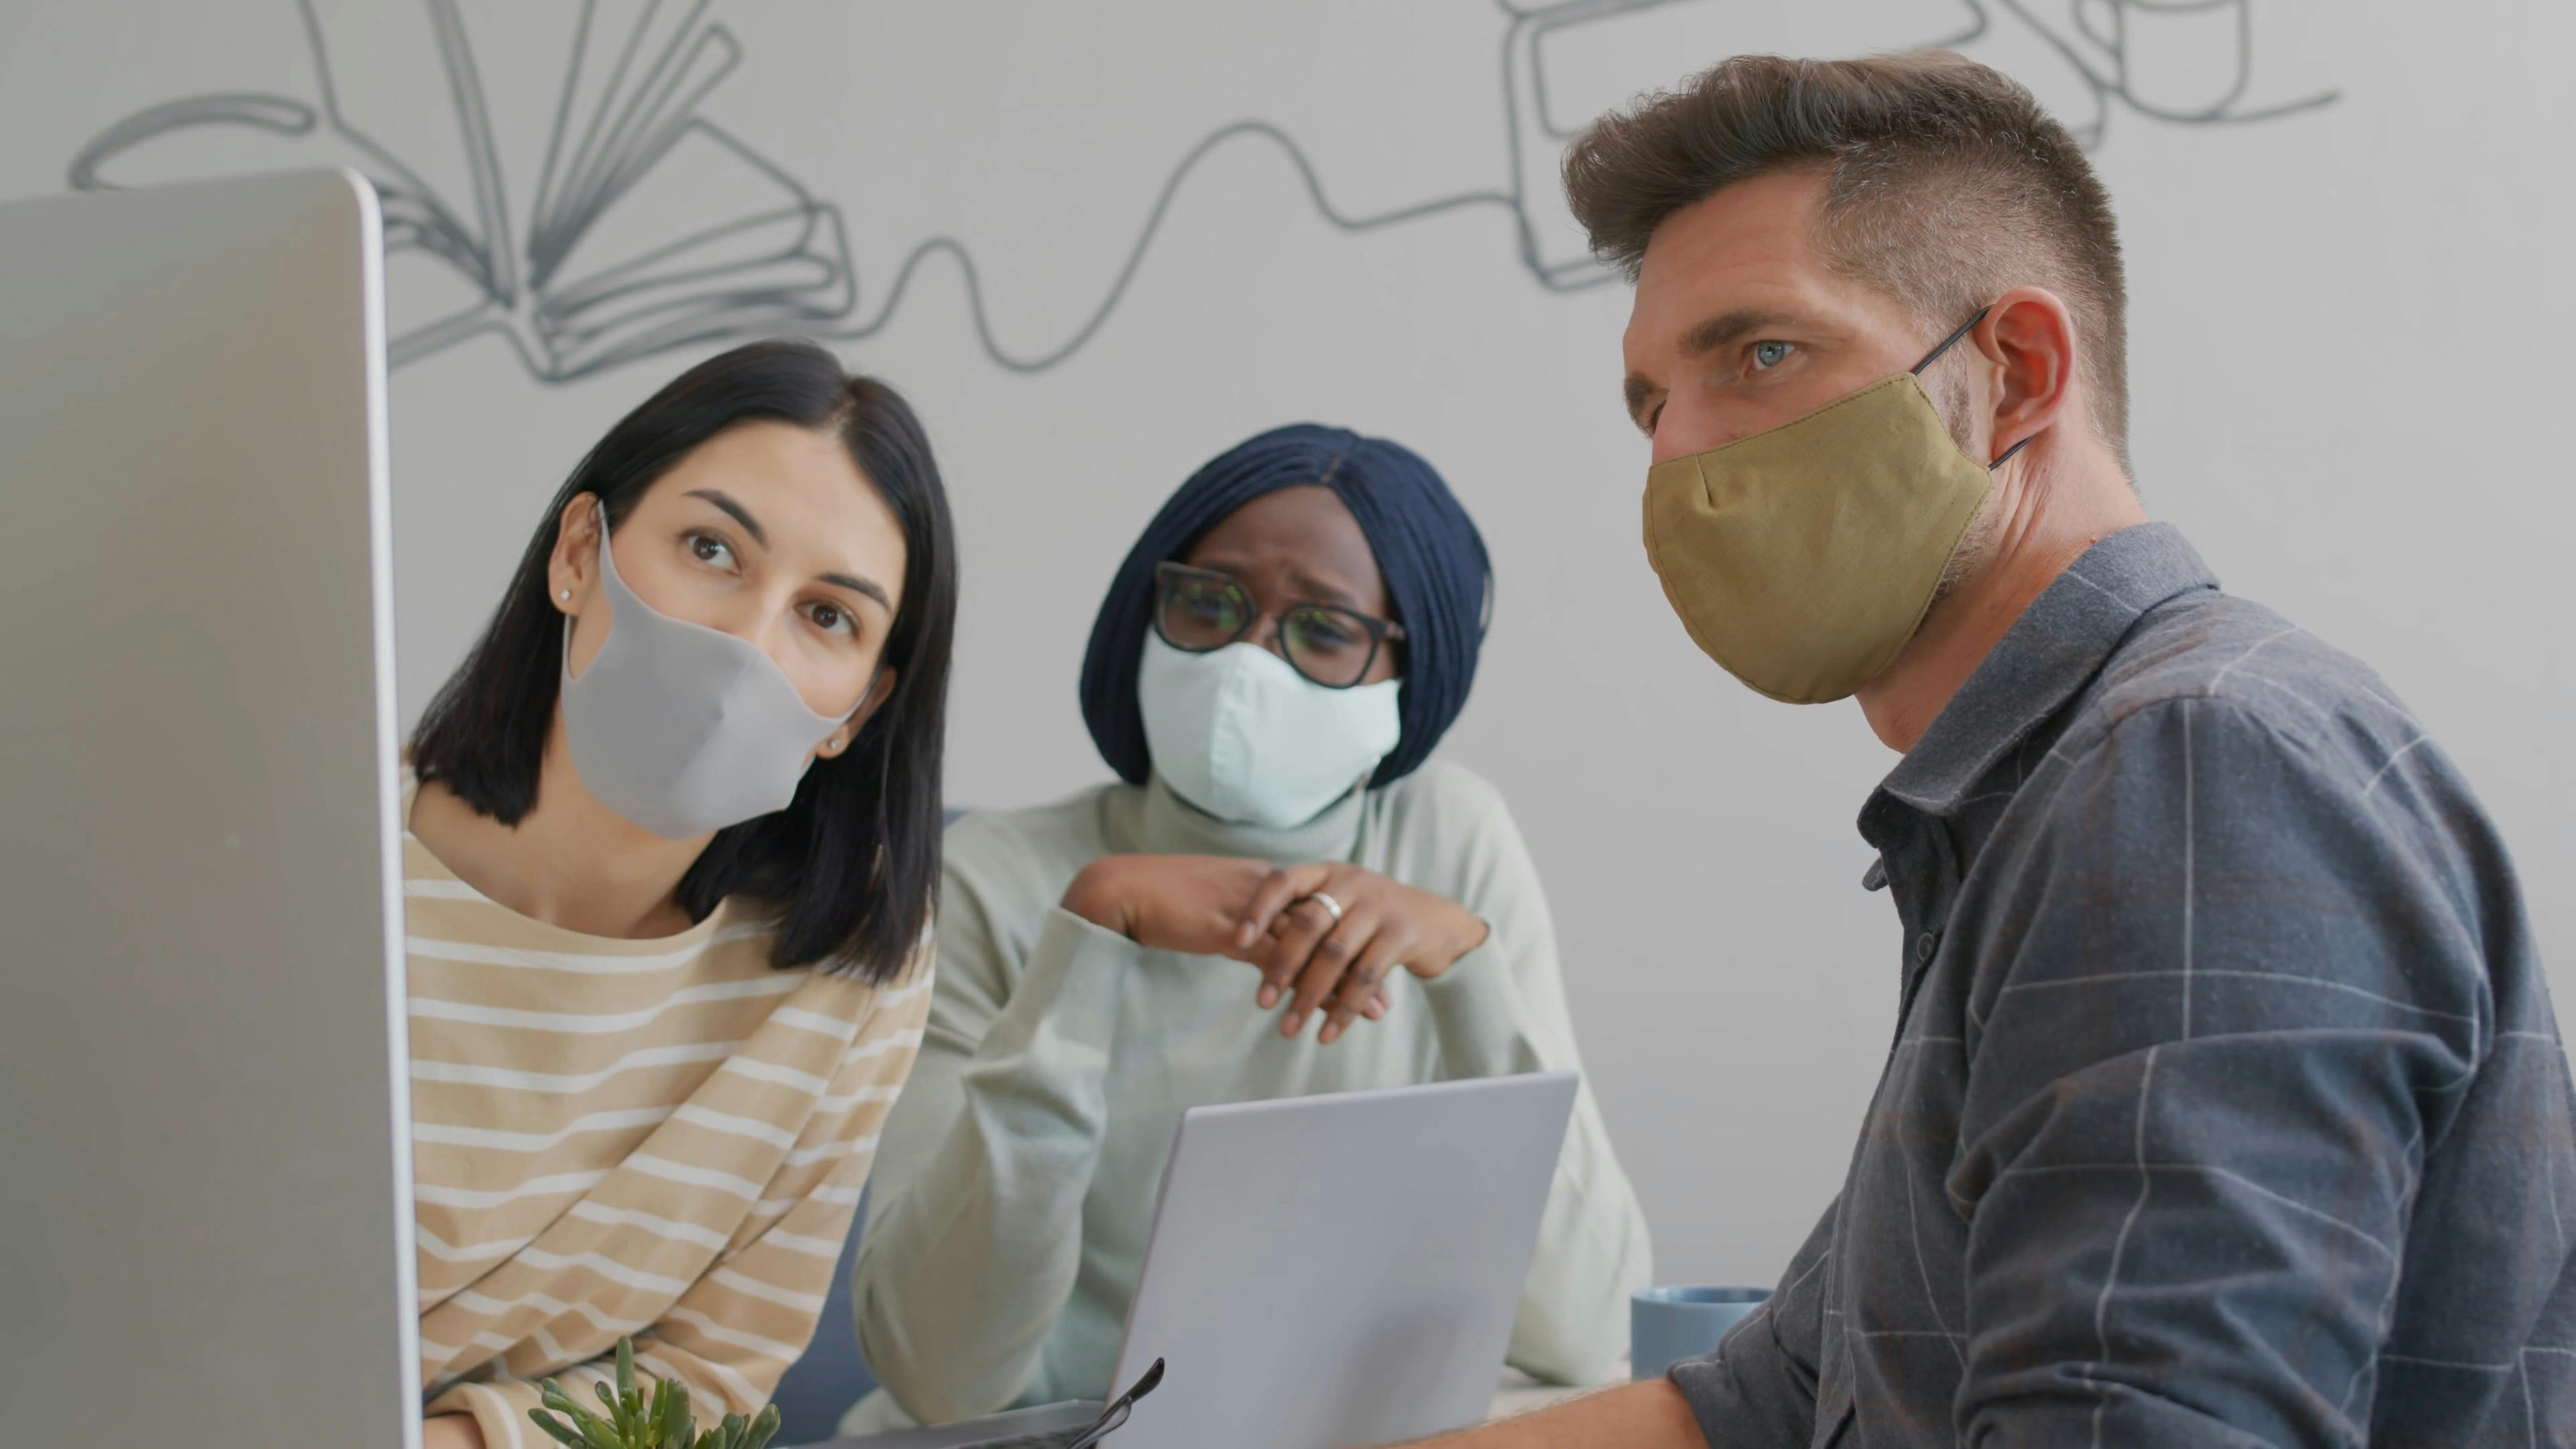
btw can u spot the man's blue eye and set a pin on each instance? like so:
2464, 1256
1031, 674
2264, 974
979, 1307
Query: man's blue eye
1770, 354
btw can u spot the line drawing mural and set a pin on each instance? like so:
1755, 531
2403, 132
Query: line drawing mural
2146, 56
631, 100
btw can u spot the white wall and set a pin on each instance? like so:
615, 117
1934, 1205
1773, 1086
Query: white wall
2350, 360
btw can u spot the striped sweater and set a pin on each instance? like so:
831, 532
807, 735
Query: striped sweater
662, 1139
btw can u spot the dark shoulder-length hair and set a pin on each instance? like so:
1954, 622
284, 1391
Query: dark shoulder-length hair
850, 869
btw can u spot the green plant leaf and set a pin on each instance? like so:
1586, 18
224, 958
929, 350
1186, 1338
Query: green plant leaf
556, 1429
553, 1396
674, 1428
644, 1413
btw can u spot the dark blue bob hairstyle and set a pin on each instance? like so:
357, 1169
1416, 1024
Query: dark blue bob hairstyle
1434, 561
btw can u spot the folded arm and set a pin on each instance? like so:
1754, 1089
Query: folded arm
974, 1231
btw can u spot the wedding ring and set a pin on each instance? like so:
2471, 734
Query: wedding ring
1331, 907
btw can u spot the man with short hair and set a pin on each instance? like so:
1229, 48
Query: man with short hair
2227, 1105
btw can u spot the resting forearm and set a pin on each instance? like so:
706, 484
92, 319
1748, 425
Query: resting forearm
971, 1250
1651, 1415
963, 1273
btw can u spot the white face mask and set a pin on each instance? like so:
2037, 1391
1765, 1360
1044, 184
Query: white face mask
1242, 736
681, 728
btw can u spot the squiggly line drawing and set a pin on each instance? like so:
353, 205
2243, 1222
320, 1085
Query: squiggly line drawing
786, 266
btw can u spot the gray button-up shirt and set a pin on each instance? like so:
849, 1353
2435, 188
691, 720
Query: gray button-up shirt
2226, 1107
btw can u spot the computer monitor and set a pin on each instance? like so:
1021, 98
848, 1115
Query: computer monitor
205, 1188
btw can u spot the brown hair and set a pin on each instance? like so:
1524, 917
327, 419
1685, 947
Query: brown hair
1945, 185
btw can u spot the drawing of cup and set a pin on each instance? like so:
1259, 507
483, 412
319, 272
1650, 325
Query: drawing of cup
2179, 59
1552, 243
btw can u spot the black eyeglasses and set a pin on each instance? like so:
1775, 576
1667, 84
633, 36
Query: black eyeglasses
1197, 611
1110, 1421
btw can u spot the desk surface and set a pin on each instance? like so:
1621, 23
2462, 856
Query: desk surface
1521, 1394
1518, 1393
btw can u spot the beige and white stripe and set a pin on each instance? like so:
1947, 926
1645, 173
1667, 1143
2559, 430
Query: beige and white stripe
662, 1139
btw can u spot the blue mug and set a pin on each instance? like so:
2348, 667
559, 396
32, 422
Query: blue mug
1667, 1325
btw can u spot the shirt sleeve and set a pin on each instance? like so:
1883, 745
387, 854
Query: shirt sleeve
974, 1231
2231, 1007
1759, 1388
1501, 1009
729, 1336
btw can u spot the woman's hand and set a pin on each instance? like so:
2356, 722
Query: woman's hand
1190, 904
1184, 903
1337, 963
451, 1431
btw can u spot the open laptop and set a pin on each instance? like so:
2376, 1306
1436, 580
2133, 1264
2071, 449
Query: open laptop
1323, 1271
204, 1190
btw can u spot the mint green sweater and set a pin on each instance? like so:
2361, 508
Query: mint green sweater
1014, 1185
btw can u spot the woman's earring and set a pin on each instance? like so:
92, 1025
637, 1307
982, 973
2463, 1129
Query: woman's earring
564, 594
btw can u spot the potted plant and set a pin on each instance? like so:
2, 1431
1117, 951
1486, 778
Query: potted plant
635, 1421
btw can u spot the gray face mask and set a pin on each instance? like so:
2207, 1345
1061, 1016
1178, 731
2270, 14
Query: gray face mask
681, 728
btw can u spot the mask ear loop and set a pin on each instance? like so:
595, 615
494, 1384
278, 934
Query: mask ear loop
1951, 341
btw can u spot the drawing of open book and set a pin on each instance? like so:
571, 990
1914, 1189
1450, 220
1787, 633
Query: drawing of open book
572, 295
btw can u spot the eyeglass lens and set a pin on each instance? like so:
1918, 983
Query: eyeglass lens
1323, 644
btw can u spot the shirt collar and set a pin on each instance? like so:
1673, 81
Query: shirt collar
2057, 645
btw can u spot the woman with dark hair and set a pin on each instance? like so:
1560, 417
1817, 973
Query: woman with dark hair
1271, 669
672, 852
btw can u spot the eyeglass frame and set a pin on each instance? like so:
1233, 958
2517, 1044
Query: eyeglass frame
1115, 1416
1170, 571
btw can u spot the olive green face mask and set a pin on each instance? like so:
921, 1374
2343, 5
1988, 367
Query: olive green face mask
1803, 558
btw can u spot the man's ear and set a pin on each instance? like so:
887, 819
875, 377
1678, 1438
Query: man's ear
2028, 340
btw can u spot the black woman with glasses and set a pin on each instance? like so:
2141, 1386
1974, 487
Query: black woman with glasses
1283, 894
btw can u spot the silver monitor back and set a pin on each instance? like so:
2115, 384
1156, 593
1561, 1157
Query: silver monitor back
1340, 1269
204, 1174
